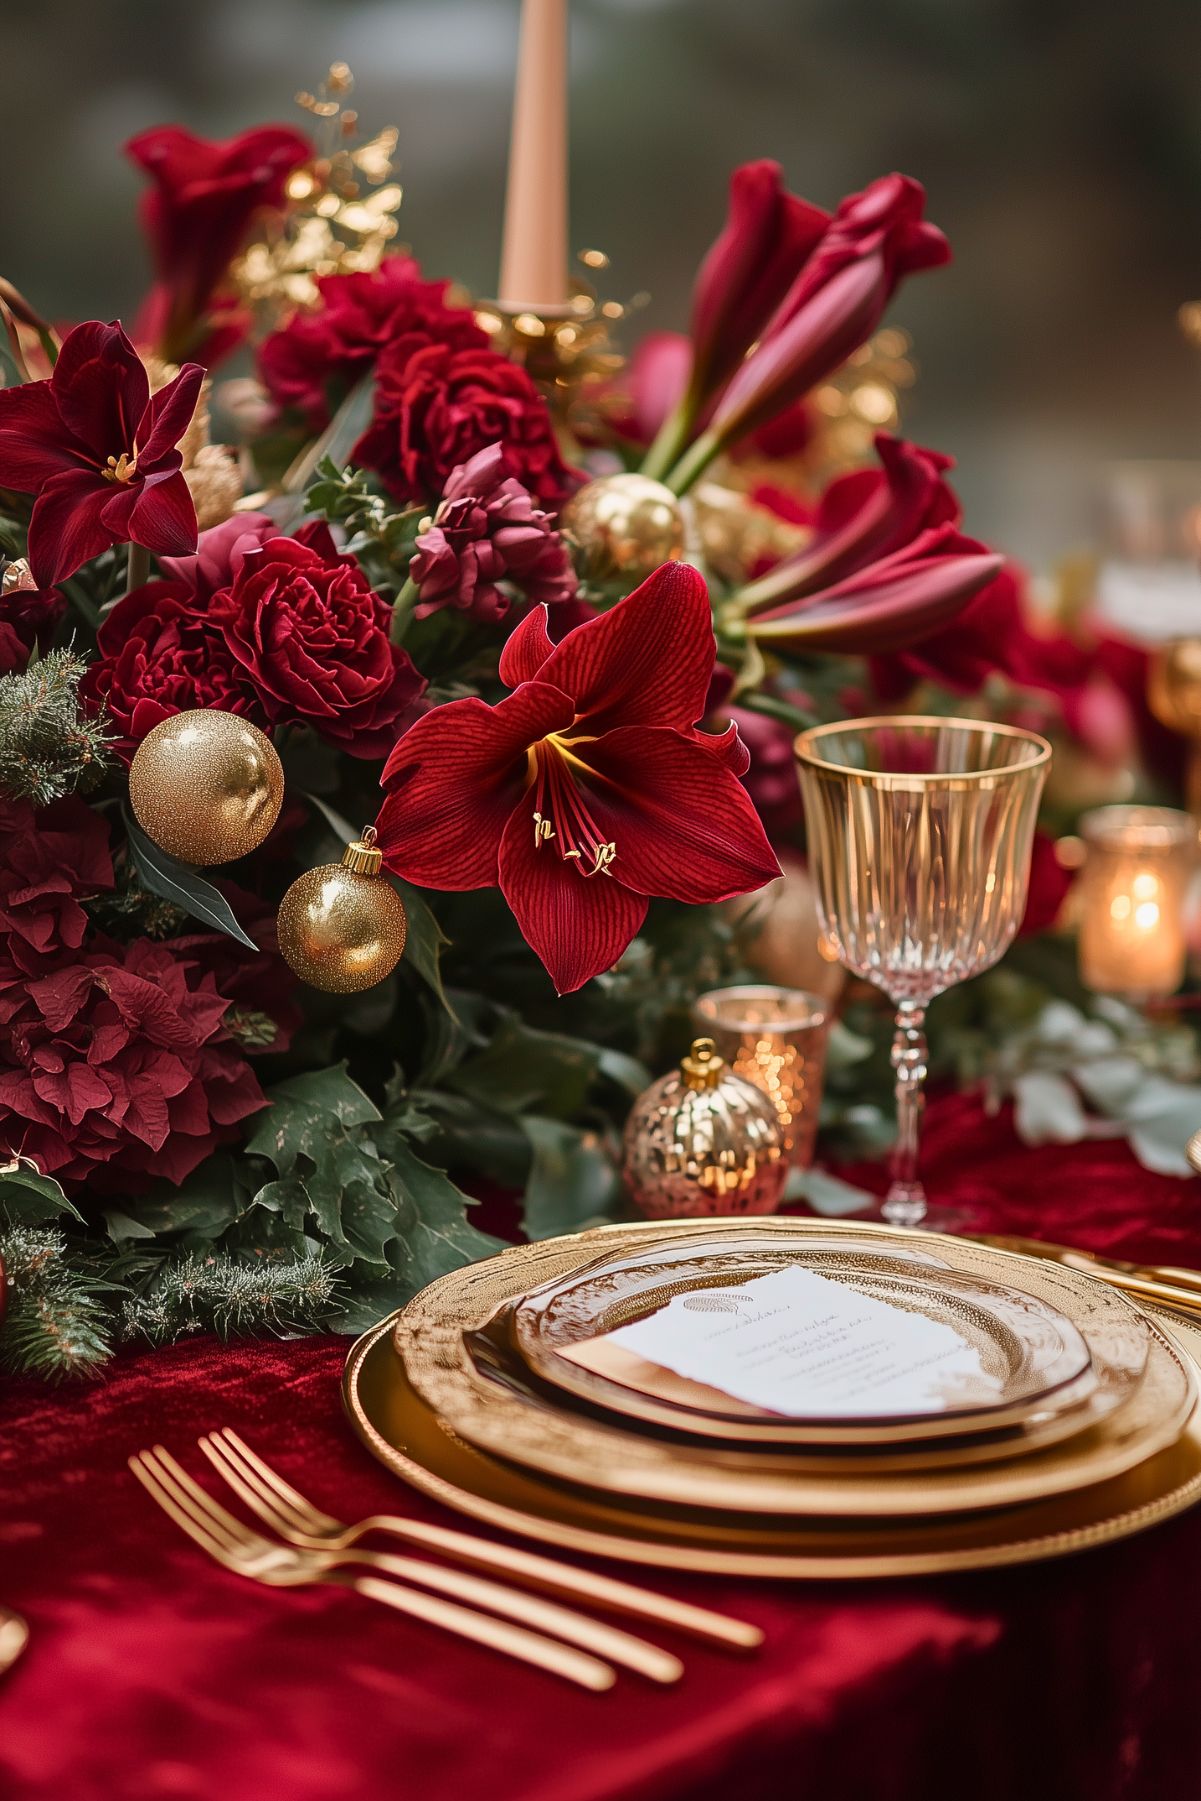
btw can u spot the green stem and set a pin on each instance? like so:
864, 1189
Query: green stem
82, 603
694, 462
774, 708
402, 609
671, 442
138, 568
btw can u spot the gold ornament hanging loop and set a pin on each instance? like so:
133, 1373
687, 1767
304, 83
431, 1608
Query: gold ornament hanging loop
342, 927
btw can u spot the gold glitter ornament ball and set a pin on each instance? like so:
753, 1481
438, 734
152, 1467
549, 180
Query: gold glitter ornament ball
343, 927
624, 525
206, 786
703, 1140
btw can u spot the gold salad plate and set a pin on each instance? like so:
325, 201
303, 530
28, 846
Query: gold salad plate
397, 1426
1035, 1364
570, 1446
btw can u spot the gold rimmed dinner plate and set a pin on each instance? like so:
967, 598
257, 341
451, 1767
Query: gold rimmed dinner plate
1034, 1362
570, 1446
400, 1430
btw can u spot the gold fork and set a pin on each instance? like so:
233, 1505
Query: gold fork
269, 1561
296, 1519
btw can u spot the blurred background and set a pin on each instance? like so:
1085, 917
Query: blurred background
1060, 144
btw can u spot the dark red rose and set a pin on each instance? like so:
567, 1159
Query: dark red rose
51, 858
435, 406
312, 638
117, 1067
313, 361
487, 530
29, 617
219, 552
197, 217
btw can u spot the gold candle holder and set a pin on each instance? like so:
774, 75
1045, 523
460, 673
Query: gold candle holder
1137, 865
775, 1038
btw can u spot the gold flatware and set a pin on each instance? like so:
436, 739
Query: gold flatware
1169, 1285
14, 1636
301, 1523
247, 1553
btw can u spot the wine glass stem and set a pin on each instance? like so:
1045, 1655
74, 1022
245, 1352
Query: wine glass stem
905, 1202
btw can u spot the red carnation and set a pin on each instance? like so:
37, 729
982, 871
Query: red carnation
197, 217
436, 405
488, 530
52, 858
316, 358
117, 1067
311, 636
588, 789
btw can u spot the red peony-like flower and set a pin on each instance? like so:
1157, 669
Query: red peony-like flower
117, 1067
314, 360
99, 451
311, 636
197, 217
588, 789
488, 530
52, 858
436, 405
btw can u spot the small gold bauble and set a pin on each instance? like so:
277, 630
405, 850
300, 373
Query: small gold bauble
624, 525
206, 786
781, 936
703, 1140
343, 927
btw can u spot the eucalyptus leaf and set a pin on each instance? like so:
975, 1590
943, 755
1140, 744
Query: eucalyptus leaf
827, 1194
180, 884
1047, 1109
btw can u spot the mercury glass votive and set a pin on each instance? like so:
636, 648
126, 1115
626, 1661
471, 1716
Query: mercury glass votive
1138, 861
776, 1038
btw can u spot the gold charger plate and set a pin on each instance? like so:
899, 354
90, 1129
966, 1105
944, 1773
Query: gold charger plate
399, 1429
570, 1447
1025, 1344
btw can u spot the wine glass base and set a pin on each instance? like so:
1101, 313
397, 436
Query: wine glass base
905, 1205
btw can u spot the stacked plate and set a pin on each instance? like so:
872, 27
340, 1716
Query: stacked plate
788, 1398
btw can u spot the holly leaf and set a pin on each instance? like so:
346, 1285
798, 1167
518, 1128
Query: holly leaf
176, 882
524, 1070
572, 1182
431, 1219
27, 1197
302, 1112
203, 1206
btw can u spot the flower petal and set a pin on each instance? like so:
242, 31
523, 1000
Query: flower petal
67, 527
168, 415
526, 649
684, 826
650, 658
101, 387
454, 779
163, 516
34, 443
576, 924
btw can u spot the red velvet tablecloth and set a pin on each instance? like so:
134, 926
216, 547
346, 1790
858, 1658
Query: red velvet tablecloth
151, 1675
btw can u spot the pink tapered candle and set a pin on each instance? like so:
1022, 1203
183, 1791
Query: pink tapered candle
533, 264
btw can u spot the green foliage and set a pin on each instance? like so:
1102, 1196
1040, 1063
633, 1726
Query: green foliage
231, 1296
48, 746
56, 1323
176, 882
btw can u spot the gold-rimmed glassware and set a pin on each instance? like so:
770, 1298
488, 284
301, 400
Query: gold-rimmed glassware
776, 1038
920, 831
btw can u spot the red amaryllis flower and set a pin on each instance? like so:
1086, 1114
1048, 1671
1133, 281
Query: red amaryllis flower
436, 405
197, 217
51, 858
874, 239
117, 1067
588, 789
487, 530
311, 635
99, 451
314, 360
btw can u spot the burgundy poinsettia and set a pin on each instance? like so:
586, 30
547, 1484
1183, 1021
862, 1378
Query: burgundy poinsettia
588, 789
99, 451
314, 360
116, 1066
436, 405
53, 858
197, 217
886, 565
487, 530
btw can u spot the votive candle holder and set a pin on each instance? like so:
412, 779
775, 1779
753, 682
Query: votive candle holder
1137, 866
776, 1038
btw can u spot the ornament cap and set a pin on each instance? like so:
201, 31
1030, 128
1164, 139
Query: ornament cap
362, 857
702, 1067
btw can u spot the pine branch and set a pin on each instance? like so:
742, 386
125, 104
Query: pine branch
232, 1297
48, 745
56, 1323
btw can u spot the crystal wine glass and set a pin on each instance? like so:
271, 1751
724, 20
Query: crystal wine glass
919, 835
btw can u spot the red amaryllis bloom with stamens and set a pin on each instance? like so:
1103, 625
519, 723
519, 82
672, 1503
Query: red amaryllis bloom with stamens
99, 451
588, 789
197, 217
